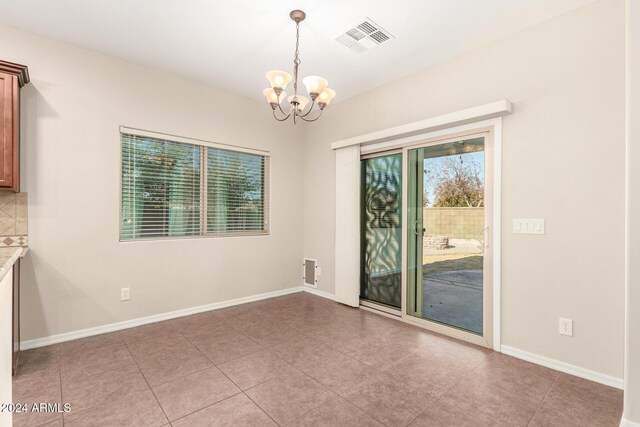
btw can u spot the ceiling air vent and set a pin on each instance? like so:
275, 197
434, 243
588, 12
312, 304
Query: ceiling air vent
364, 36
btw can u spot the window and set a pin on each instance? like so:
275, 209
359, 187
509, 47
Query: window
175, 187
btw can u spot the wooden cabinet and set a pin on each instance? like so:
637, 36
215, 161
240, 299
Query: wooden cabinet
12, 78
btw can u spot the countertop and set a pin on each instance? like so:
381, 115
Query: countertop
8, 257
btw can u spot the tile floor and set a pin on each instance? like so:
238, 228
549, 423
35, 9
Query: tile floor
298, 360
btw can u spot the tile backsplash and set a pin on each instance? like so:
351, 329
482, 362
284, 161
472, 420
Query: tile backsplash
13, 219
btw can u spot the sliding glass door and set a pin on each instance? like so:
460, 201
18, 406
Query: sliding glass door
446, 234
426, 256
381, 230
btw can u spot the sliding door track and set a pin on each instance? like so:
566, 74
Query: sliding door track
380, 307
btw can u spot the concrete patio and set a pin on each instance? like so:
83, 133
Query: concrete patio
451, 290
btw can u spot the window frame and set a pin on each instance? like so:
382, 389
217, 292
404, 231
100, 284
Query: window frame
203, 146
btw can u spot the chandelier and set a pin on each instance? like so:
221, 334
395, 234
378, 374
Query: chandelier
319, 93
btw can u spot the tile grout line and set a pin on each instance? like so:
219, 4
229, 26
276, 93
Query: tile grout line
338, 395
462, 378
467, 374
421, 412
205, 407
102, 372
436, 336
344, 353
543, 399
515, 395
304, 374
337, 350
260, 407
230, 360
145, 379
190, 373
223, 373
397, 361
233, 382
27, 414
267, 348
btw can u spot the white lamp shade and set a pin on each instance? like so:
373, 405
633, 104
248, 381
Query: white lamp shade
272, 97
278, 78
302, 101
326, 96
315, 84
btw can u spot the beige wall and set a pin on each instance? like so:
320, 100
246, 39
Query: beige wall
75, 268
563, 160
632, 348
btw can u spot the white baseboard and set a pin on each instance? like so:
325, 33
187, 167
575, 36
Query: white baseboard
82, 333
563, 367
627, 423
318, 292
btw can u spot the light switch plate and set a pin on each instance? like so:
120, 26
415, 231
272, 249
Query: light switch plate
528, 226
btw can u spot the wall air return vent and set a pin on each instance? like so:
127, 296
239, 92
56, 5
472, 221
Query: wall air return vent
364, 36
310, 272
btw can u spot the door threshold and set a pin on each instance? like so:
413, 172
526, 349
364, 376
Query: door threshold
425, 324
449, 331
372, 306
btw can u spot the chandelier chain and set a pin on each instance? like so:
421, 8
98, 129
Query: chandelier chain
296, 60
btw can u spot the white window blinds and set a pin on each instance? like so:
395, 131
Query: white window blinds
181, 189
235, 196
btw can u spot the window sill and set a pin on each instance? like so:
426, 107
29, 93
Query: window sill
208, 236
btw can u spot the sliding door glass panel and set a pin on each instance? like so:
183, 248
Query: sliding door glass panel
381, 230
446, 234
415, 230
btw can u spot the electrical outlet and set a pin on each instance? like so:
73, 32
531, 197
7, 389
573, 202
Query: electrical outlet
566, 327
125, 294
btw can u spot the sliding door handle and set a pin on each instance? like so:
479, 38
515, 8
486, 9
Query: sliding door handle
486, 237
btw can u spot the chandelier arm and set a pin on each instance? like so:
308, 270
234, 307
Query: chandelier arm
310, 109
281, 110
280, 120
312, 120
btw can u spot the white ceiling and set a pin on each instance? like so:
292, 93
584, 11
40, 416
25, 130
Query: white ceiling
230, 44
